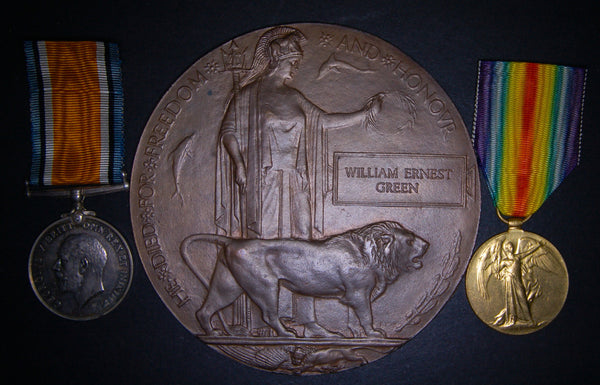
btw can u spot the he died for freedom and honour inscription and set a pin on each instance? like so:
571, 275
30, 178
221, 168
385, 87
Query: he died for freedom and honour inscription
305, 198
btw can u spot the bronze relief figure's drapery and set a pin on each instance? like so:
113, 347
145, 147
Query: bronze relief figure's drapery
259, 213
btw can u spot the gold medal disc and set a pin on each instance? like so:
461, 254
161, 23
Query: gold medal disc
517, 282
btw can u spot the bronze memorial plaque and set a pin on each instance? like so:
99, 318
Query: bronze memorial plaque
305, 198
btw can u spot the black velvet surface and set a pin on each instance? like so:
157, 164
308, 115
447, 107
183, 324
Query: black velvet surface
142, 343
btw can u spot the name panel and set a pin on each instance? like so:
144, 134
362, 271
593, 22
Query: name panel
387, 179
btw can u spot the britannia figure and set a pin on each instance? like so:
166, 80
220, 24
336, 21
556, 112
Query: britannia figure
271, 166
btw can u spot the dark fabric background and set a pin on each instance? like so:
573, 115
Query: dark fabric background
142, 343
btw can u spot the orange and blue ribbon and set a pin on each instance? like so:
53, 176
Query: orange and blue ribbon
527, 130
76, 105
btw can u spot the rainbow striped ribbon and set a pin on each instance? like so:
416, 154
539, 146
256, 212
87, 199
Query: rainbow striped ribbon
527, 130
76, 104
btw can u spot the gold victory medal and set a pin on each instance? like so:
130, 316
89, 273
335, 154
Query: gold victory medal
517, 281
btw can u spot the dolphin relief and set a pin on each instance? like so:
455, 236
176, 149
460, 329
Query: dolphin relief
332, 64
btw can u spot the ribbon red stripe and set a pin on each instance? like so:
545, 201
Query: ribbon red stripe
525, 151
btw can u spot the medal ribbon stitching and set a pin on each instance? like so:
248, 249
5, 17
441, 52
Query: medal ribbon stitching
527, 130
76, 105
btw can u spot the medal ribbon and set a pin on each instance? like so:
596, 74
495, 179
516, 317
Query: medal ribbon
527, 130
76, 104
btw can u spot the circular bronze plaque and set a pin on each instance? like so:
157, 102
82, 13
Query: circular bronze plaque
305, 198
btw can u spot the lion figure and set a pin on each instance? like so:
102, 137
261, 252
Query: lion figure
354, 267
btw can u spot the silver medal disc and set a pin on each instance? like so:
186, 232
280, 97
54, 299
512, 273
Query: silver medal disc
80, 267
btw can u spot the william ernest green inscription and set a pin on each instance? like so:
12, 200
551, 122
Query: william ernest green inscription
381, 179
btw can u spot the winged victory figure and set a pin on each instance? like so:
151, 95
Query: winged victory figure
516, 268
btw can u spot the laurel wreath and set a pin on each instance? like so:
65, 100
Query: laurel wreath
441, 283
